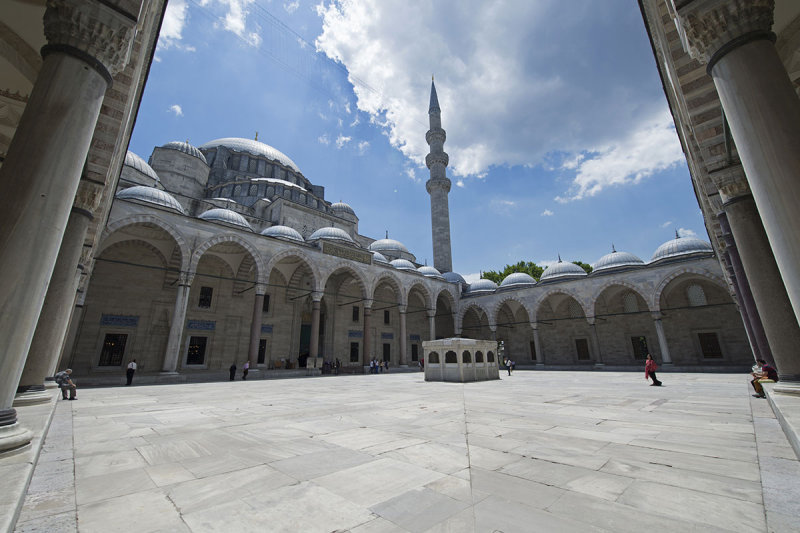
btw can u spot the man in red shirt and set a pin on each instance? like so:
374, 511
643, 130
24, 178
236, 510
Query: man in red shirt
767, 375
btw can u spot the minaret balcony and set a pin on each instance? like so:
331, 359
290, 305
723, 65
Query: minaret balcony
435, 134
440, 158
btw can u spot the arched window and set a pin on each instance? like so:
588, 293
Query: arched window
270, 191
696, 295
237, 190
287, 193
451, 357
254, 190
575, 309
479, 357
433, 358
629, 302
466, 357
490, 357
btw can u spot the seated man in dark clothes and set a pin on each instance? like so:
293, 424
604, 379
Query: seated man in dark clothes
767, 375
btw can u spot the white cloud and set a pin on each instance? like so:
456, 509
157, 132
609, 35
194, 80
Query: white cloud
503, 103
362, 147
341, 140
175, 108
683, 232
544, 263
666, 224
339, 121
172, 27
347, 107
471, 278
234, 19
547, 213
460, 183
291, 7
502, 206
356, 121
324, 139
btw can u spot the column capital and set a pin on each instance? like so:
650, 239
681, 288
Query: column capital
88, 197
98, 32
731, 182
367, 305
261, 289
316, 296
186, 278
656, 315
534, 326
714, 27
402, 309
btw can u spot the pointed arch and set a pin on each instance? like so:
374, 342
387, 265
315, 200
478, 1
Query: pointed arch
303, 256
496, 308
140, 219
659, 290
391, 279
427, 296
344, 266
619, 283
566, 292
230, 237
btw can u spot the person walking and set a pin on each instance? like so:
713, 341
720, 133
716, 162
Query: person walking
245, 370
650, 368
232, 371
130, 372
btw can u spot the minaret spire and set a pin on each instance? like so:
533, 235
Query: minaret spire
438, 186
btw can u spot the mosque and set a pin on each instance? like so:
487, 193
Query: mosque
226, 252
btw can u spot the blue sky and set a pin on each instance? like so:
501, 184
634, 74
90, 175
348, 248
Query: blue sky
558, 131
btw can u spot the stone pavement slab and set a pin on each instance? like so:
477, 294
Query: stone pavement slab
536, 451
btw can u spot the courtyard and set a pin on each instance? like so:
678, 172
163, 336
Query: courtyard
390, 453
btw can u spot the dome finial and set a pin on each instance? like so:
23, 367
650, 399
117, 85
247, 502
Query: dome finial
387, 234
613, 249
559, 258
256, 137
677, 236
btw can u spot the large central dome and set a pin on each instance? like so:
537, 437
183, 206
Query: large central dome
250, 146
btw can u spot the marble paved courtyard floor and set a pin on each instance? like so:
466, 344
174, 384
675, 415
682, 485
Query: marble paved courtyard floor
536, 451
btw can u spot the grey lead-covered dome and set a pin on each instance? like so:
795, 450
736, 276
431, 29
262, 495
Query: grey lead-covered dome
616, 260
237, 144
562, 270
341, 208
481, 286
283, 232
517, 279
454, 277
186, 148
681, 246
226, 216
151, 195
331, 234
388, 245
403, 264
430, 272
137, 163
379, 258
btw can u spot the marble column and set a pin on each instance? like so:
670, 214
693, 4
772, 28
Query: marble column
662, 339
173, 353
596, 342
432, 324
403, 336
734, 38
751, 317
51, 329
87, 42
313, 346
725, 260
769, 293
367, 334
537, 345
255, 326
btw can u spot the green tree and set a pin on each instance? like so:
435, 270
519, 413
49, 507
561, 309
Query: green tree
586, 267
528, 267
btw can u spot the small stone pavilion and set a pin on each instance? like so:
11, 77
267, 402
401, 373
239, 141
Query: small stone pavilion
460, 360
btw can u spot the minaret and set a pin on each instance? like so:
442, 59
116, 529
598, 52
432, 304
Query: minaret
438, 187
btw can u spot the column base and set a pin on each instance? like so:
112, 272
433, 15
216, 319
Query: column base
599, 366
787, 387
32, 396
13, 437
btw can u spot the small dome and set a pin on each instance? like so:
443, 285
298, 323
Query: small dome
331, 234
379, 258
388, 245
615, 260
283, 232
562, 270
430, 272
481, 286
226, 216
186, 148
403, 264
151, 195
517, 279
237, 144
680, 246
454, 277
341, 208
137, 163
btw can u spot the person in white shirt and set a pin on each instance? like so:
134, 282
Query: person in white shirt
129, 373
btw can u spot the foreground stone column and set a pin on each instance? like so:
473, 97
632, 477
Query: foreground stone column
403, 336
367, 335
87, 43
662, 339
432, 324
752, 318
255, 327
537, 344
760, 269
763, 111
172, 355
51, 329
313, 347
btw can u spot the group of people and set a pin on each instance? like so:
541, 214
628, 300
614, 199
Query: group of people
377, 367
245, 370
